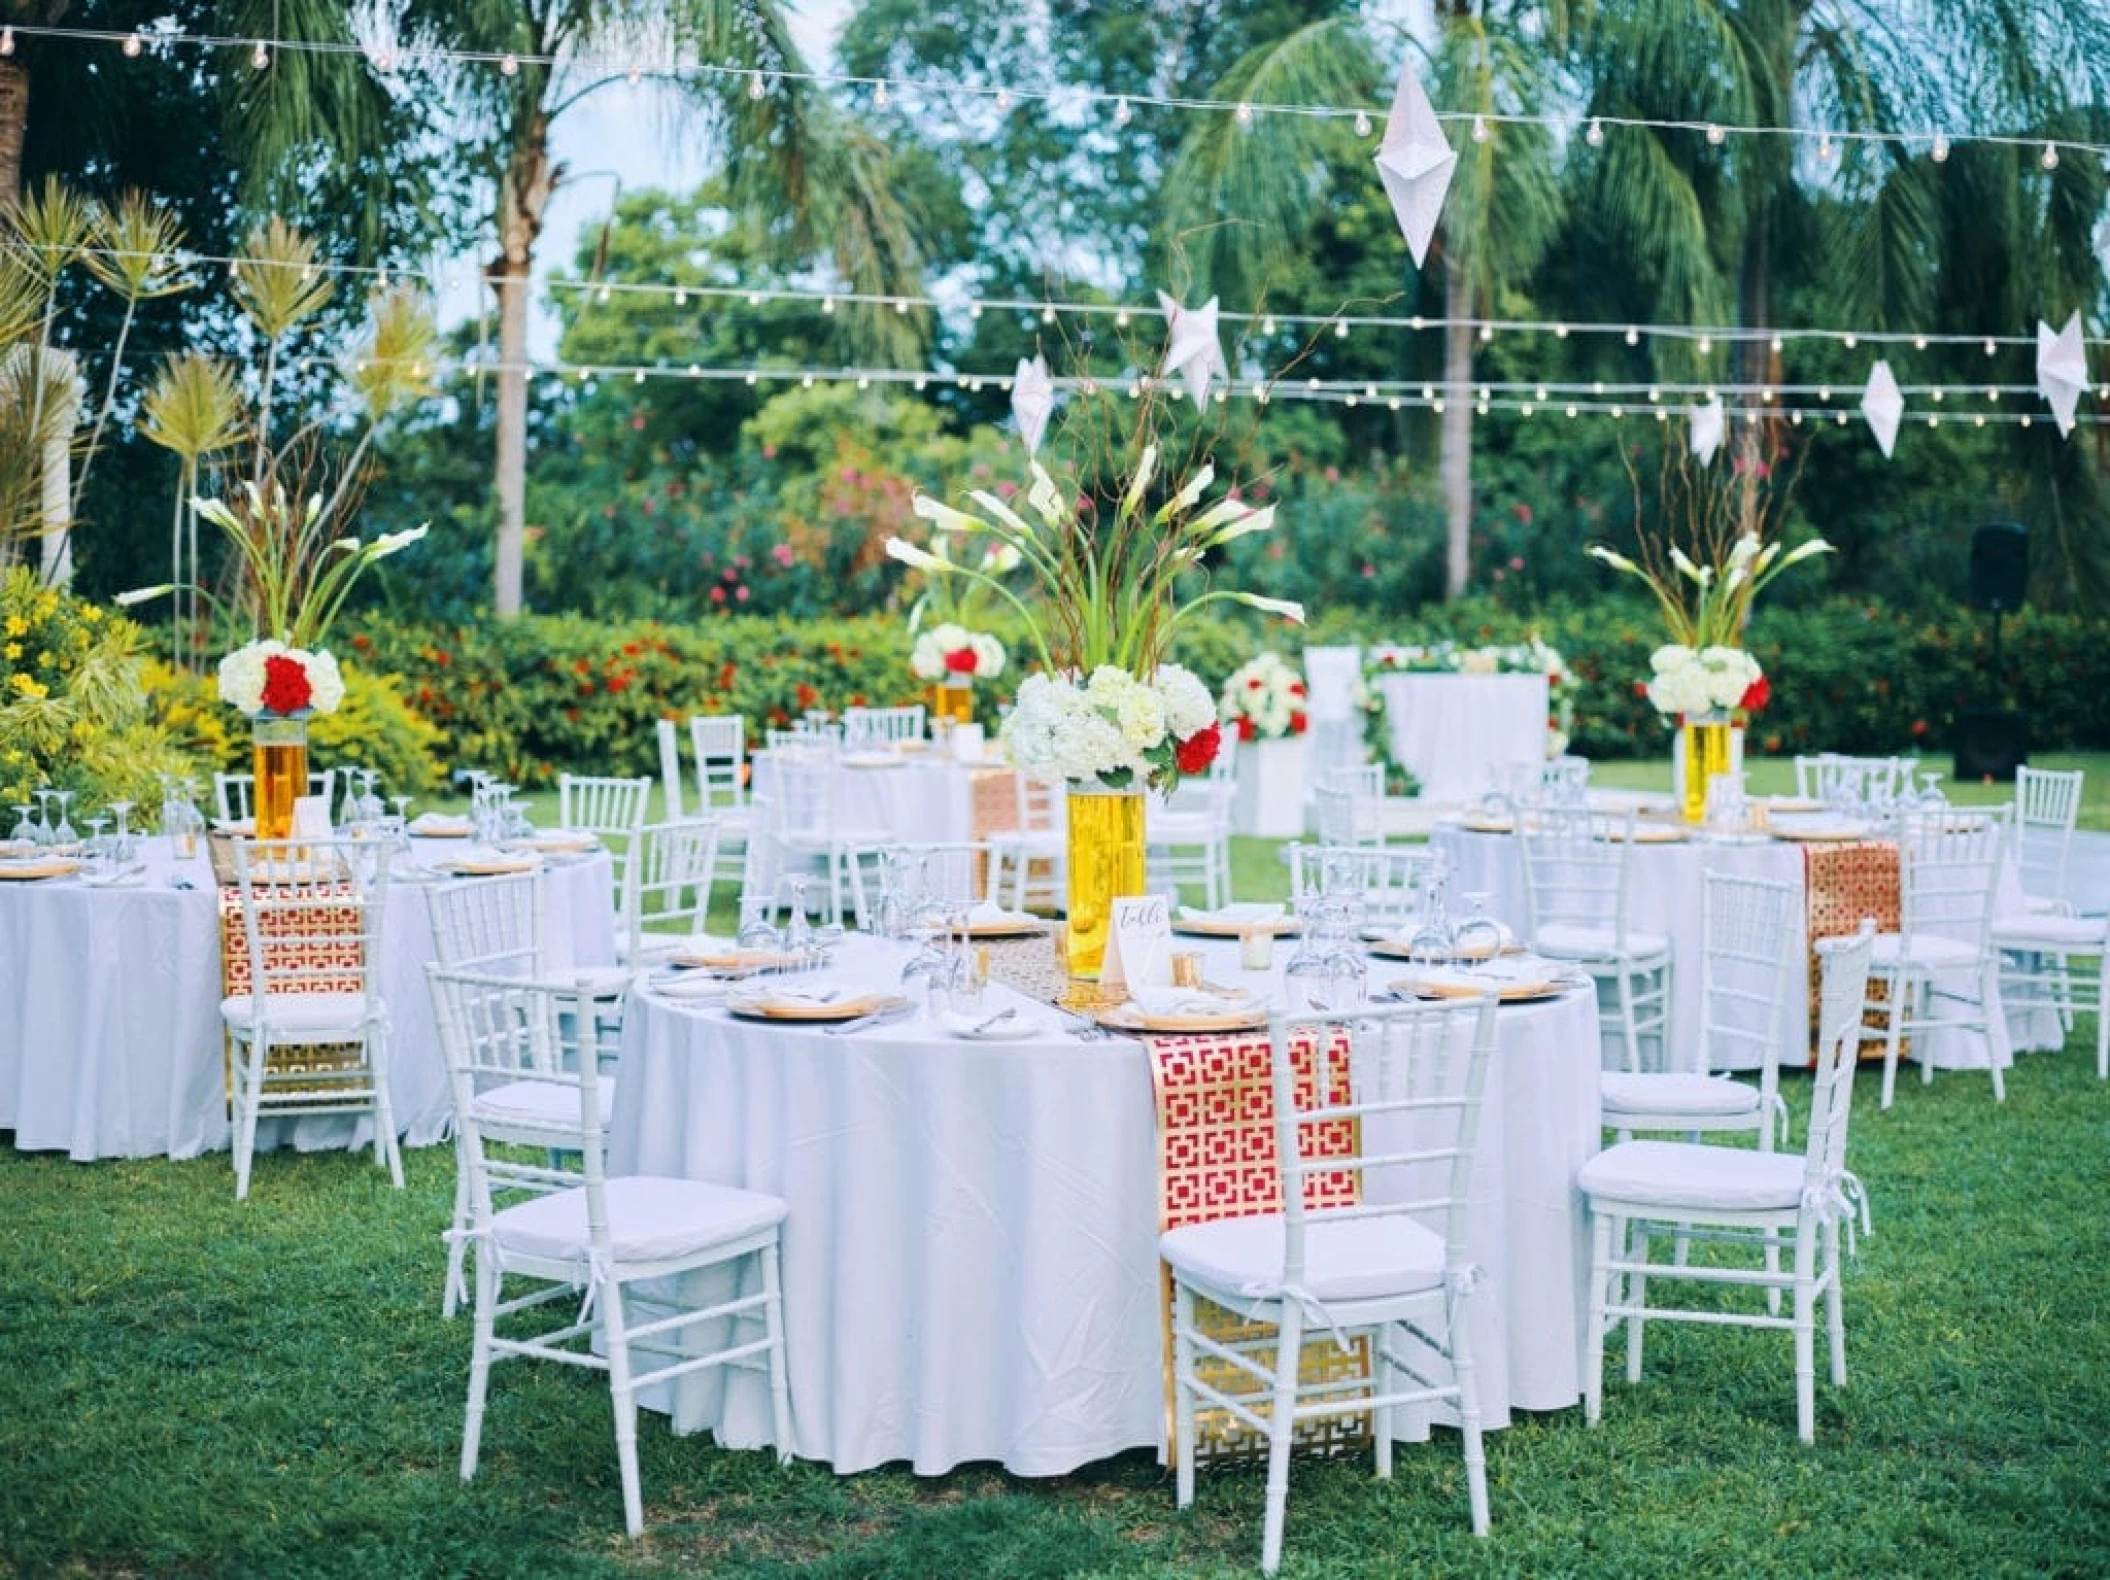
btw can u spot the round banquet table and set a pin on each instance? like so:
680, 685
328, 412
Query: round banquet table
914, 798
1459, 732
970, 1260
110, 1039
1667, 895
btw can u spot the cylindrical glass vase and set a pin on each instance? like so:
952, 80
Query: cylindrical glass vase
281, 748
952, 699
1707, 757
1105, 864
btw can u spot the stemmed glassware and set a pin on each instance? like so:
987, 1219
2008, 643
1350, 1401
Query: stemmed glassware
121, 850
25, 830
1432, 942
1930, 798
63, 833
1478, 939
757, 931
102, 861
44, 834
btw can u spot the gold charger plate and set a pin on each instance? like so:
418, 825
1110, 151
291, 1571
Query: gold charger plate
1817, 836
1008, 927
1507, 992
558, 843
1211, 927
1392, 947
794, 1009
1792, 803
50, 867
1488, 825
440, 828
1127, 1017
492, 867
730, 959
1654, 834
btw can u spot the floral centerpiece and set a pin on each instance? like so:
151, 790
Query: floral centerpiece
296, 573
1106, 713
1265, 700
1703, 679
953, 654
952, 657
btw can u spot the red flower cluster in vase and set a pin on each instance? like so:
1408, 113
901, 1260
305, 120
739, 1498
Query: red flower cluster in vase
286, 686
1756, 695
962, 661
1197, 751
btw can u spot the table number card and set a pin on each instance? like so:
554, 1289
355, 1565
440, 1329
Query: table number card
1138, 944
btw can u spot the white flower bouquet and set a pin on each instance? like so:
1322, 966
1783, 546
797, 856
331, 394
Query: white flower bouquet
949, 650
1691, 683
1114, 728
1265, 700
268, 678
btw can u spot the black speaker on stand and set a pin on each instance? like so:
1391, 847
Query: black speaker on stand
1992, 740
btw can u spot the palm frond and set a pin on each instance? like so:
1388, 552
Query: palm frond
277, 284
50, 227
193, 407
393, 366
135, 247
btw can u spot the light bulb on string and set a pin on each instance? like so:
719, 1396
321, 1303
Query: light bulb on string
132, 45
1990, 348
1267, 325
1706, 345
2025, 419
1243, 114
1824, 393
1594, 136
681, 298
1939, 153
1047, 314
1479, 128
634, 76
509, 66
827, 304
1633, 336
1716, 133
756, 87
901, 307
1919, 342
1003, 98
1121, 319
1487, 333
1849, 341
1436, 406
638, 377
880, 99
7, 41
751, 378
1362, 123
1824, 149
1122, 113
1560, 331
1340, 329
1778, 345
2050, 158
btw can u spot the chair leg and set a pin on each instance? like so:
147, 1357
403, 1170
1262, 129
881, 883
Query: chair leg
1988, 1000
1893, 1008
1289, 1350
1182, 1394
1805, 1339
616, 1330
1637, 1297
479, 1363
388, 1150
1460, 1317
1600, 1302
1834, 1308
773, 1327
457, 1246
248, 1098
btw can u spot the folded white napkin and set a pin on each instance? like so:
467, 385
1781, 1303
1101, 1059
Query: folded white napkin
1157, 1001
1243, 913
430, 823
690, 985
987, 912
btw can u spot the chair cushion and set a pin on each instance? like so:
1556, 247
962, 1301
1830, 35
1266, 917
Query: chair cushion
301, 1012
1344, 1258
650, 1219
544, 1104
2077, 934
1676, 1092
1929, 950
1572, 941
1689, 1174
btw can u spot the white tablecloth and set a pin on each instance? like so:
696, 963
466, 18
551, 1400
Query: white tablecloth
1459, 732
1668, 895
919, 798
110, 1041
970, 1261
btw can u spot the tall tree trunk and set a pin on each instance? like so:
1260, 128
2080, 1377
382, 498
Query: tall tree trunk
14, 123
1456, 457
529, 179
1756, 365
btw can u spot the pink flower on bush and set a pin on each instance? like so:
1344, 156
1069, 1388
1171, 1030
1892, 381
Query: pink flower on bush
784, 554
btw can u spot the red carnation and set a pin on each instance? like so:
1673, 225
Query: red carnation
1757, 695
1198, 750
1246, 728
286, 688
1298, 724
961, 661
1254, 684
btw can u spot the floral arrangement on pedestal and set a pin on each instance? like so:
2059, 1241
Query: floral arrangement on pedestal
1106, 713
1264, 699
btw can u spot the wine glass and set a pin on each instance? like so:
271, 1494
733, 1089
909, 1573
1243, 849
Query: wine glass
757, 931
25, 831
1930, 797
100, 858
121, 850
64, 833
798, 930
43, 833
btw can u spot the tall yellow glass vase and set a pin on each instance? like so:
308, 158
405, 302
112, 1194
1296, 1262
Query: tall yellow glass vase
951, 699
281, 749
1106, 863
1707, 758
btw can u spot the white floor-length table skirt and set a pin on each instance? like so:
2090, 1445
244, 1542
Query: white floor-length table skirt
110, 1039
970, 1260
1668, 896
1460, 733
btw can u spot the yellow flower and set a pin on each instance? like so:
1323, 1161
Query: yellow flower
29, 686
16, 625
91, 613
14, 650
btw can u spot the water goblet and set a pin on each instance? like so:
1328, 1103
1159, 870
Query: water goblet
101, 862
43, 833
757, 930
121, 847
1479, 937
798, 930
1930, 797
25, 831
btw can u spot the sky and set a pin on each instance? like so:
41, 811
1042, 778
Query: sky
620, 139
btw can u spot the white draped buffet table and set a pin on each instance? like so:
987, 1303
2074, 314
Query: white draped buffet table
970, 1260
110, 1041
1459, 732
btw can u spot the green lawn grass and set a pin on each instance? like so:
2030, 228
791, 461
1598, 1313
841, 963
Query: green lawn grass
202, 1387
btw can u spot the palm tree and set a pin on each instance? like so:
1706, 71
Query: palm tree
1698, 223
517, 65
1503, 209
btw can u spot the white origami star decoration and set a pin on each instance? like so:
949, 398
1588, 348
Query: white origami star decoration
1415, 162
2062, 369
1032, 401
1708, 425
1883, 404
1195, 352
